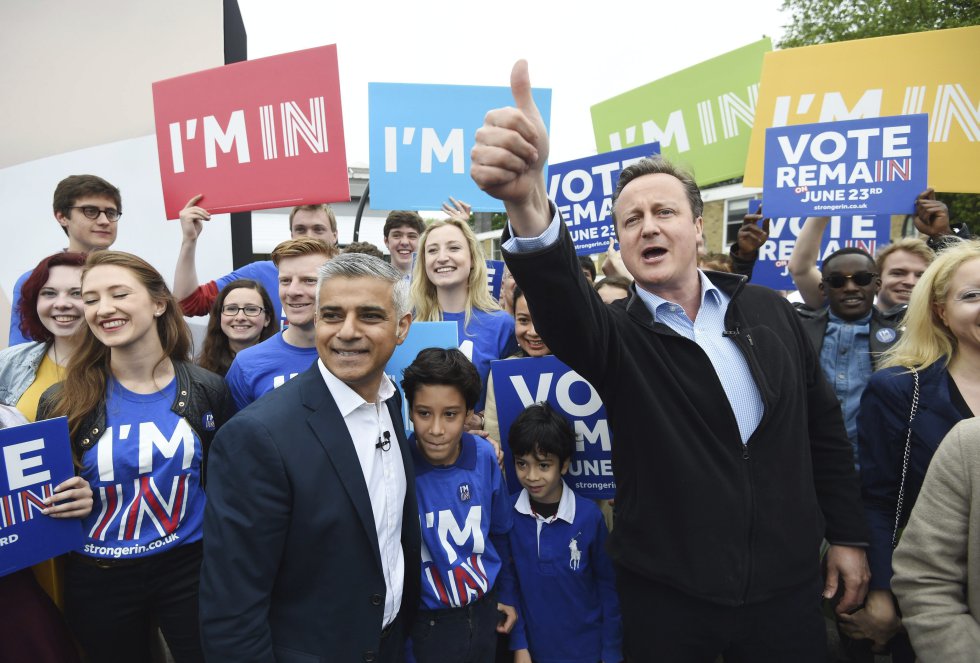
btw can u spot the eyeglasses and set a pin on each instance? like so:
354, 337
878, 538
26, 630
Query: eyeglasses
859, 278
250, 310
93, 212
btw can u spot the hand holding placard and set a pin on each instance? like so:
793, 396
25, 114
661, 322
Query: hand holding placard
70, 499
931, 215
751, 236
192, 218
509, 156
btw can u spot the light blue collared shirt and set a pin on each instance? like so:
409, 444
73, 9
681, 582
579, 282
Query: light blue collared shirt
845, 358
706, 330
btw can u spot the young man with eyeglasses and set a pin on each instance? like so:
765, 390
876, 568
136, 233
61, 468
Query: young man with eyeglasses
88, 209
261, 368
850, 334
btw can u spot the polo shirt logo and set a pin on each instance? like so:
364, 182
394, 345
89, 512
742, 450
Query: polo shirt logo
574, 554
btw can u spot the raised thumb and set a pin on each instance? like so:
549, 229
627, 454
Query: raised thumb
520, 87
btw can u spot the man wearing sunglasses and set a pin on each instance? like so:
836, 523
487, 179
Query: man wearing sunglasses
850, 334
88, 209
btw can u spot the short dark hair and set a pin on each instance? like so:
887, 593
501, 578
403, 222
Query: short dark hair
518, 293
614, 281
847, 251
30, 323
659, 166
364, 247
539, 430
444, 367
331, 217
402, 217
587, 264
73, 187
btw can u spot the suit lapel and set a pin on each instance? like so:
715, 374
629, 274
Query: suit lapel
331, 431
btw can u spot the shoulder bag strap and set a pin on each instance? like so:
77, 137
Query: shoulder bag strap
905, 458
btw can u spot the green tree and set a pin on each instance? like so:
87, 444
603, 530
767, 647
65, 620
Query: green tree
824, 21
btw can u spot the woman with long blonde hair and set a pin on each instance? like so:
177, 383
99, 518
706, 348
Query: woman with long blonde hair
929, 381
140, 417
449, 283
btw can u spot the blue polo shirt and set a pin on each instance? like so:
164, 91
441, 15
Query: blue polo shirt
569, 609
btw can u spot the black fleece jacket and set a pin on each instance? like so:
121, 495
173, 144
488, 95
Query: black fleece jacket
694, 508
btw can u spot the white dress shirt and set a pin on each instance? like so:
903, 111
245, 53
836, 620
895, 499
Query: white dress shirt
384, 475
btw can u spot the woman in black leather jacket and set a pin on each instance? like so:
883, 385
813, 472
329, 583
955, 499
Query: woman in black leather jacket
141, 419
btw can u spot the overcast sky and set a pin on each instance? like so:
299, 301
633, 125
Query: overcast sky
585, 51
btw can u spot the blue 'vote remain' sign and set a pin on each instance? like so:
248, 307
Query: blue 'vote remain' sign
583, 189
870, 166
518, 383
35, 458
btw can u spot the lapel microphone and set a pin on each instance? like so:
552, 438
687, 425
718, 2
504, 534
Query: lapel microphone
386, 444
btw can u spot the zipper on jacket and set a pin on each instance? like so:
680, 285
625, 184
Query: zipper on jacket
750, 534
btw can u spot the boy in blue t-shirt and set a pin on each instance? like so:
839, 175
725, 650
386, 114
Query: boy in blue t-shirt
569, 611
465, 516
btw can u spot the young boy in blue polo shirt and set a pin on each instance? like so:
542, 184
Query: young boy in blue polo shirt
568, 609
465, 516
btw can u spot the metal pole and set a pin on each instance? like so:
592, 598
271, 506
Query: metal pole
360, 211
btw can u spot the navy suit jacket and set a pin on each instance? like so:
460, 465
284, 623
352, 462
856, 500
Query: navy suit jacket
292, 568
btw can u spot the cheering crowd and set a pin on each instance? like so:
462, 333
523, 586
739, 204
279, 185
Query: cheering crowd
259, 501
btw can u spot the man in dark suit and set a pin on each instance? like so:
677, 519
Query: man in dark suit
312, 545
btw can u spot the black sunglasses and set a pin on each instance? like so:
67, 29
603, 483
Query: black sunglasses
859, 278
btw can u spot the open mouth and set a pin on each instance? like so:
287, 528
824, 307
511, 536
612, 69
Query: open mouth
65, 319
445, 270
110, 325
654, 253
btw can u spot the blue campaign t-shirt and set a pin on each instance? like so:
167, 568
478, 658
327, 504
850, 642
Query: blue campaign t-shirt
15, 335
145, 473
488, 336
263, 271
465, 514
263, 367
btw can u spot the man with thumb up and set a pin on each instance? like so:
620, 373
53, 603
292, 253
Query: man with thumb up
730, 455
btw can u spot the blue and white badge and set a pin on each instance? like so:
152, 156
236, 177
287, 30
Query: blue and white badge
886, 335
208, 421
464, 492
